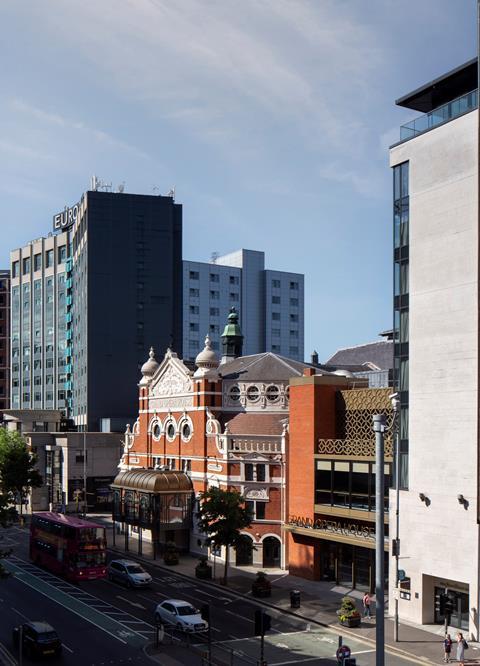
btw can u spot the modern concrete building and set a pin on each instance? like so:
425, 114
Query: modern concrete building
270, 303
85, 301
4, 340
436, 278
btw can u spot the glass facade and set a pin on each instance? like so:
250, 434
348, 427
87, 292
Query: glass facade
347, 484
38, 328
401, 210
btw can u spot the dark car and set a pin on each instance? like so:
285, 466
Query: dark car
38, 639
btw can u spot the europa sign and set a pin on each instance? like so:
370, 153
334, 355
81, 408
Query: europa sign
66, 218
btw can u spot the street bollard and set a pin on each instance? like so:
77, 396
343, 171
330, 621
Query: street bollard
295, 598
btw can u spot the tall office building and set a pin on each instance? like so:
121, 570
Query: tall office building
436, 317
88, 300
270, 304
4, 340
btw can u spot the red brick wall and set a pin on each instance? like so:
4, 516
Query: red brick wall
312, 416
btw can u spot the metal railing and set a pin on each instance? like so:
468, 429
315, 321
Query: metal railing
443, 114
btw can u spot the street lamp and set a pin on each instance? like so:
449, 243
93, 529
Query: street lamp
379, 427
396, 434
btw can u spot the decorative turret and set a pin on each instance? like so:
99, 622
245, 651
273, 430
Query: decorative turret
232, 338
207, 359
149, 368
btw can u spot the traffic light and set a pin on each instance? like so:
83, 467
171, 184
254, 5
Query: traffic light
449, 605
267, 622
258, 623
263, 622
440, 601
395, 547
205, 613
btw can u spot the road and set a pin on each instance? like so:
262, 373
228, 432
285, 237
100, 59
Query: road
104, 623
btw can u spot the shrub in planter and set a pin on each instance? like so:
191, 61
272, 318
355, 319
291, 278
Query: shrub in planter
348, 615
261, 586
203, 569
170, 556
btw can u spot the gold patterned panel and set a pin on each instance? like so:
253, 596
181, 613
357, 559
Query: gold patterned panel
364, 448
355, 410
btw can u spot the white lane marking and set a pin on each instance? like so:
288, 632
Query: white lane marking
21, 614
295, 661
237, 615
132, 603
67, 648
45, 594
214, 596
361, 652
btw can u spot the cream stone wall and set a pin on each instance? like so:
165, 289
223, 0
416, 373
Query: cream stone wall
439, 542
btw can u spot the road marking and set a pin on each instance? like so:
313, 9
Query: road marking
237, 615
214, 596
67, 648
21, 614
295, 661
132, 603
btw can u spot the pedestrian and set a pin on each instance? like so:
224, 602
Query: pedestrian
366, 601
447, 648
462, 645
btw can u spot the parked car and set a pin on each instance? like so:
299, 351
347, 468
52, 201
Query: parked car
180, 614
38, 639
128, 572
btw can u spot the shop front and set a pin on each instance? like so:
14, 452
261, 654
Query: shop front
340, 551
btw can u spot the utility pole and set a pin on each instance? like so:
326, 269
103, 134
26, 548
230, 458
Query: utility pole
379, 427
84, 473
396, 436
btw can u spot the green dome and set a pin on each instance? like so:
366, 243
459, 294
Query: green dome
232, 329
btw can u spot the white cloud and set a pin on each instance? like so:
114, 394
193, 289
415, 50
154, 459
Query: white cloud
217, 68
49, 118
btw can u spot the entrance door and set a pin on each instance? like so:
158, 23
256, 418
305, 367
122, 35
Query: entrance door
459, 618
244, 556
271, 552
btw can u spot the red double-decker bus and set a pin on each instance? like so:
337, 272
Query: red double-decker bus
71, 547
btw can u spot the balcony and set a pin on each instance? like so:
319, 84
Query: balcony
439, 116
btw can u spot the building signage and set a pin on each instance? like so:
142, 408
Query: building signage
346, 529
67, 217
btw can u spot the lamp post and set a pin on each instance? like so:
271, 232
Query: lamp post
396, 435
379, 427
84, 474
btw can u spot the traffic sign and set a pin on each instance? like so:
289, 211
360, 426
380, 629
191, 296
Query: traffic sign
401, 574
343, 652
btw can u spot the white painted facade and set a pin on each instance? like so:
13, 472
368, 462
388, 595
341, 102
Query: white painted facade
440, 537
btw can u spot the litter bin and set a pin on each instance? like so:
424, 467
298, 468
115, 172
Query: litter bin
294, 598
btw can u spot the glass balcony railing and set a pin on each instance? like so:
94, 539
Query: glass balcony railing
439, 116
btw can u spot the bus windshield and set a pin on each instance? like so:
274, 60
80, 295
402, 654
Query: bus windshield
91, 536
89, 559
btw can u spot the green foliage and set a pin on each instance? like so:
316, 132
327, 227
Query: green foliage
17, 466
221, 516
347, 609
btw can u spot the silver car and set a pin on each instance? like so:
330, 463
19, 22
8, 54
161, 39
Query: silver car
128, 572
180, 614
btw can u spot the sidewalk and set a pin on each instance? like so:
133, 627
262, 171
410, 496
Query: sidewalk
319, 602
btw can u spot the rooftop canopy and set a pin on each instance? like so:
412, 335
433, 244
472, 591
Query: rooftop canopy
444, 89
154, 481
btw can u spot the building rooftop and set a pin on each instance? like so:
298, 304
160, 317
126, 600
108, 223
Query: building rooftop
444, 89
369, 356
264, 367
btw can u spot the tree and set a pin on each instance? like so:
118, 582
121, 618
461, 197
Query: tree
7, 515
221, 516
17, 467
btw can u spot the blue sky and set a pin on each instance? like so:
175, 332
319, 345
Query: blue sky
272, 119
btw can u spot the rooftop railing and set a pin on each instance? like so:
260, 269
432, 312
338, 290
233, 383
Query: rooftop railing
443, 114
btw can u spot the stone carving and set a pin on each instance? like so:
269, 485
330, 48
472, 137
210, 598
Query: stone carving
172, 382
256, 493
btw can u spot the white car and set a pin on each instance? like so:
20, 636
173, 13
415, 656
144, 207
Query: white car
180, 614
